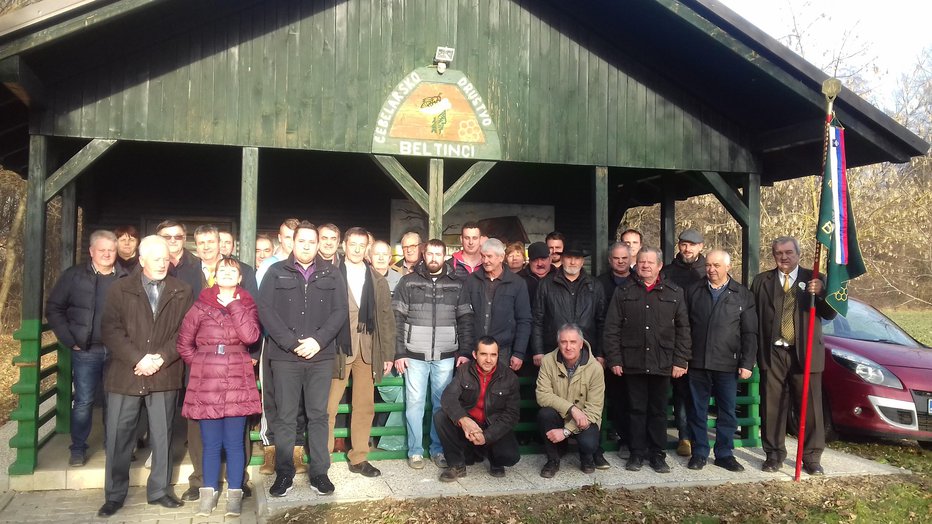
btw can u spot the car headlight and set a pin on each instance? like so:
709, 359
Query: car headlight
867, 369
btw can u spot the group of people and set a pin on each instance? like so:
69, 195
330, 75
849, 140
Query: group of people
159, 328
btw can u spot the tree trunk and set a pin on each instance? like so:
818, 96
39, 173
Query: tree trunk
11, 248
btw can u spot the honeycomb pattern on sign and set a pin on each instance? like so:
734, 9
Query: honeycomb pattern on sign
841, 295
469, 131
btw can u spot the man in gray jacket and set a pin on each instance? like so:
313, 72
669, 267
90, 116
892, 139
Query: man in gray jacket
434, 323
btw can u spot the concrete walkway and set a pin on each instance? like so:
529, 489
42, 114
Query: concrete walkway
399, 481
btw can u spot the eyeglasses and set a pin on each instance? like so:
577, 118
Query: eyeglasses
172, 237
409, 248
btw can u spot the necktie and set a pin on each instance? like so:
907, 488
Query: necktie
787, 332
152, 291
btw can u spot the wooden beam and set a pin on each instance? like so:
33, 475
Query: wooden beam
787, 137
34, 230
470, 178
400, 176
76, 165
667, 221
600, 207
249, 193
87, 20
22, 82
69, 226
435, 199
750, 234
727, 196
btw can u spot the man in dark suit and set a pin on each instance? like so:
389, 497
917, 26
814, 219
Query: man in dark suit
782, 300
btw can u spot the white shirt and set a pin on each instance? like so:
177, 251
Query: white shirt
793, 276
355, 279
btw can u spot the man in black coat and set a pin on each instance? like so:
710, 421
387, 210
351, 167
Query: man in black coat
723, 326
74, 310
782, 297
647, 340
479, 410
619, 272
687, 268
303, 307
500, 305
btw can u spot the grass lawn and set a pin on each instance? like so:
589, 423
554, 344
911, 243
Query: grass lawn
917, 323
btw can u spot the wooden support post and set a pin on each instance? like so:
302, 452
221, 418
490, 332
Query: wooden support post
667, 224
463, 184
76, 165
249, 192
405, 182
727, 195
750, 233
600, 208
26, 414
69, 226
435, 199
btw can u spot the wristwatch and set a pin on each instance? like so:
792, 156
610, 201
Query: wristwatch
566, 433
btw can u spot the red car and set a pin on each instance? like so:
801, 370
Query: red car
877, 380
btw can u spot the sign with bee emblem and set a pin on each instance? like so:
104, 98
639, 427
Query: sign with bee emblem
436, 115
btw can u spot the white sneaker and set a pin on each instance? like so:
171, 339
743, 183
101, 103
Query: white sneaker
416, 462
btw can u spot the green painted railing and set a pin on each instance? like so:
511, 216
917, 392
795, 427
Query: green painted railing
29, 420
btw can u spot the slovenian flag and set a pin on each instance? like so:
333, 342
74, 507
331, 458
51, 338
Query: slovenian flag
837, 231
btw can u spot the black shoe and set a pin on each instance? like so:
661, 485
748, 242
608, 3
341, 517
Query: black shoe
813, 468
728, 463
167, 501
77, 459
365, 469
771, 465
247, 491
600, 462
109, 508
193, 493
322, 485
452, 473
634, 463
658, 464
696, 462
497, 471
550, 469
587, 466
281, 486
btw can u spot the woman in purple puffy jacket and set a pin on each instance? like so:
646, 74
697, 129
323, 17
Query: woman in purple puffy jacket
222, 391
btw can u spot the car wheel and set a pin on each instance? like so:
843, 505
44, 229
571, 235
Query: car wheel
926, 445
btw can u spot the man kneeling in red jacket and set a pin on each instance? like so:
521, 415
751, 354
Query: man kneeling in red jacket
479, 410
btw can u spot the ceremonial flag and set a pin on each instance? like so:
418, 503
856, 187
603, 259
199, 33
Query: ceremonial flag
836, 229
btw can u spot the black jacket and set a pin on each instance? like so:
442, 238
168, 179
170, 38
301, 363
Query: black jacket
683, 274
433, 318
724, 335
291, 309
71, 308
502, 399
508, 313
189, 271
556, 305
607, 280
647, 332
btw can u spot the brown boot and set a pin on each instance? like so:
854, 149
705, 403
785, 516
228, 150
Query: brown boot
299, 465
268, 465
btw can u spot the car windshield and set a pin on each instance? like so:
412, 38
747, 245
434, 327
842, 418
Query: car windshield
866, 323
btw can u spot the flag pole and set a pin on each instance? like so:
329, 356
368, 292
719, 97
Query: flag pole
830, 88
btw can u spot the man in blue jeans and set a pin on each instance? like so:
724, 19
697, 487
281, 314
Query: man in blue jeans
74, 309
434, 324
723, 322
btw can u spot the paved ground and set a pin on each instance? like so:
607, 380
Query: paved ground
399, 481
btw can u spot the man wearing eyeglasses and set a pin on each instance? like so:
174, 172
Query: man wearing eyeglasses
184, 265
411, 252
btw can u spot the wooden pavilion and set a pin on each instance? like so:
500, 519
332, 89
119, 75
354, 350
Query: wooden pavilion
135, 110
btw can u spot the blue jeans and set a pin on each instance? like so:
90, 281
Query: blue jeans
724, 385
439, 373
223, 434
87, 370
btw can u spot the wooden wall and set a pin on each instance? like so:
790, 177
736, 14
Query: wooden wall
313, 75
